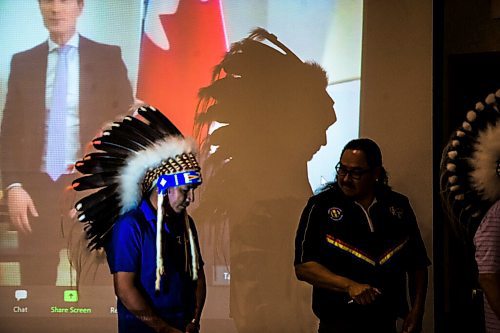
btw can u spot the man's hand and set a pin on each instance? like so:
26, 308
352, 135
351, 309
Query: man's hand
321, 277
363, 293
19, 202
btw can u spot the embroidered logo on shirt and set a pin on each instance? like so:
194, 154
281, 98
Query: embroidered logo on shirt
335, 213
396, 211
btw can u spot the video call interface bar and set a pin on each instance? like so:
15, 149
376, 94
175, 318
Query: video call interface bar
38, 301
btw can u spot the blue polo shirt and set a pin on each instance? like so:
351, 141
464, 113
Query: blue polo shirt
132, 248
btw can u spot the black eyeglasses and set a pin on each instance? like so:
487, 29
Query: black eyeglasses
355, 173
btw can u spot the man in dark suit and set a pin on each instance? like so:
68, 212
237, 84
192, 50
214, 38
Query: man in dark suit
96, 90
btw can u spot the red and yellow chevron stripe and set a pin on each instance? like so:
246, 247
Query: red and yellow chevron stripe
363, 256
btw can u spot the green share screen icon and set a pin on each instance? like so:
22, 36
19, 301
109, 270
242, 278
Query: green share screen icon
71, 296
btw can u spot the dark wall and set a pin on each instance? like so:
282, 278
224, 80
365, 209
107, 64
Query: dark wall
470, 51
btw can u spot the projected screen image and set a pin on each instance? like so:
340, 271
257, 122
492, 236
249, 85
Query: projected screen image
162, 53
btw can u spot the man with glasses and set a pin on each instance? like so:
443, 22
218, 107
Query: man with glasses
359, 246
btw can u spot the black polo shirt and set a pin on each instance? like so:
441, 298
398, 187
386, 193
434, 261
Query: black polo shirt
376, 247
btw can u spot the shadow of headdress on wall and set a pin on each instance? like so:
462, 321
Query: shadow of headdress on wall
262, 87
469, 179
266, 113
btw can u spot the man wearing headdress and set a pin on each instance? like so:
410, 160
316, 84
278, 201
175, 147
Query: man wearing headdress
131, 257
148, 173
470, 190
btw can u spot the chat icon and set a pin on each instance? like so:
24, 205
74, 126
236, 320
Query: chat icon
21, 294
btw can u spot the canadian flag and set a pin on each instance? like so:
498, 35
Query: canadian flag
182, 40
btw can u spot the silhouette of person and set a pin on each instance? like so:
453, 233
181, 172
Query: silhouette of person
276, 110
95, 78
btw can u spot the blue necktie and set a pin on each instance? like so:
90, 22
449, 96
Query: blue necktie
56, 141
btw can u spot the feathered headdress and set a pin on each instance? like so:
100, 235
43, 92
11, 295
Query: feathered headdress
470, 180
133, 156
